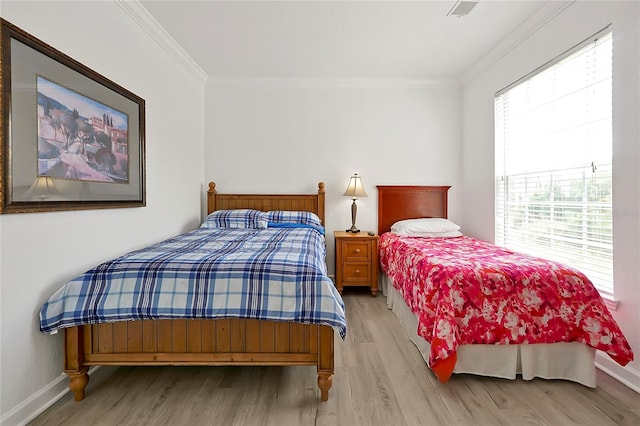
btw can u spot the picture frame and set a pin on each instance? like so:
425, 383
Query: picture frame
70, 138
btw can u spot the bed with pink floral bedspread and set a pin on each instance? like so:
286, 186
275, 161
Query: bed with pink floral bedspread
465, 291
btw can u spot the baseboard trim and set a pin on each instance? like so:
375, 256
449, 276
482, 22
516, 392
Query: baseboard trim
37, 403
628, 376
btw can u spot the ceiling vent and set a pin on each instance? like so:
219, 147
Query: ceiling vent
461, 8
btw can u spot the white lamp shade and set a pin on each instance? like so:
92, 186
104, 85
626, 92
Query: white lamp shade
42, 188
355, 188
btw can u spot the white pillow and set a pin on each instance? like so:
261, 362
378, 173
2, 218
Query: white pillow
423, 226
450, 234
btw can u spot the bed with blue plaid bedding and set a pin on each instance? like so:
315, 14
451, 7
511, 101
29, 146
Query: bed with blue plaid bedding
274, 274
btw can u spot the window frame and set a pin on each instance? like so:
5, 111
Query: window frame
500, 231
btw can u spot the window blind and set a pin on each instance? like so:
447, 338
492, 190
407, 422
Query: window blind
553, 161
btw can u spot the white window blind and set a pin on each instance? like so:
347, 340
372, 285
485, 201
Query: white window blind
553, 133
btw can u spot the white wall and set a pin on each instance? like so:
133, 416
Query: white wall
271, 136
574, 24
40, 251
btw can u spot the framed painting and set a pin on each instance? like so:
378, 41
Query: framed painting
70, 138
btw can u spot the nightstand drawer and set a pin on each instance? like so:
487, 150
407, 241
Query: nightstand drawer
356, 250
356, 272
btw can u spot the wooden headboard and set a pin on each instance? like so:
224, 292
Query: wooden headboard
409, 202
300, 202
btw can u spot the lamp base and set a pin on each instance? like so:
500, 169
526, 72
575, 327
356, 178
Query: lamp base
354, 212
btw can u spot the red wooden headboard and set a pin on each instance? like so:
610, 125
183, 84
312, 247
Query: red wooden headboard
409, 202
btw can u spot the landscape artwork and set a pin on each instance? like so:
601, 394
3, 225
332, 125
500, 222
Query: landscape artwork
79, 138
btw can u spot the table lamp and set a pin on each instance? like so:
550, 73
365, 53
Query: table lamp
354, 190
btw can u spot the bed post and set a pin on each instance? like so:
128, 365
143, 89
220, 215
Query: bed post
74, 361
321, 202
325, 333
325, 360
211, 197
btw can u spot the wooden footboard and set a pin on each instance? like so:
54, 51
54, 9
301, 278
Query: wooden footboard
198, 342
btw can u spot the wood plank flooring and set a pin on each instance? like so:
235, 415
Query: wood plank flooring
380, 379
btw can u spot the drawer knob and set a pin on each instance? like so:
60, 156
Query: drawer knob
357, 271
357, 251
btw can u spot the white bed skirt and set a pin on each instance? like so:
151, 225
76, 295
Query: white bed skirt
568, 361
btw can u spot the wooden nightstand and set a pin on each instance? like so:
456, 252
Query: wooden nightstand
356, 260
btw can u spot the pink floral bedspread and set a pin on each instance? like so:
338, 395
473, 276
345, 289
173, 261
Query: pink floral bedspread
467, 291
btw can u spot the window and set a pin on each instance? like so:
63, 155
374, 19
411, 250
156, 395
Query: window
553, 131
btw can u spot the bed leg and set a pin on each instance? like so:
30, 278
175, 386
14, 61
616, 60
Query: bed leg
325, 380
325, 360
77, 382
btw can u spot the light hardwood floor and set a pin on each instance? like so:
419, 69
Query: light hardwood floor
380, 379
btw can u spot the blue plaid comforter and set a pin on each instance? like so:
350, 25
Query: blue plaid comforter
272, 274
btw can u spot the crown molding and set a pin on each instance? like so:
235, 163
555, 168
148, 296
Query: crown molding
331, 83
542, 17
148, 23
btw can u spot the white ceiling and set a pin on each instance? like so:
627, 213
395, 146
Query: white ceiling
338, 39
